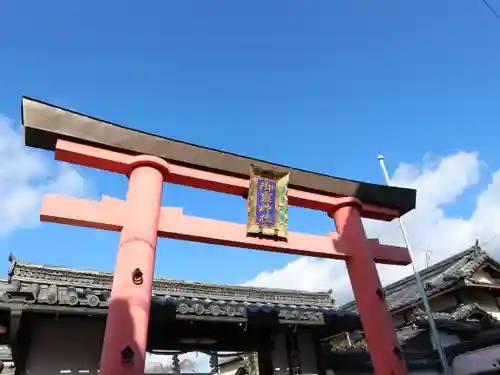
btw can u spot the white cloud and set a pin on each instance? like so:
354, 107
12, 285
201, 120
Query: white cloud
25, 176
439, 183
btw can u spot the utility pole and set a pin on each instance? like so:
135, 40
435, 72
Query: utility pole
420, 285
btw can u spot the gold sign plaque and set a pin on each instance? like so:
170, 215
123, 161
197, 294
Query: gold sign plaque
268, 203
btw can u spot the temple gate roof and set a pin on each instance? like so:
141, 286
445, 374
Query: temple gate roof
437, 278
45, 287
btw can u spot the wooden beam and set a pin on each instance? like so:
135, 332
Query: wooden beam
108, 214
45, 124
119, 162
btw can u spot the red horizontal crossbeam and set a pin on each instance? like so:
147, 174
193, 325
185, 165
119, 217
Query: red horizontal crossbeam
109, 213
119, 162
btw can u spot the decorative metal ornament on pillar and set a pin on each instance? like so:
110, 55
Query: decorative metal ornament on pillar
127, 355
137, 276
374, 312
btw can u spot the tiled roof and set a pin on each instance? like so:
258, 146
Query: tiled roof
455, 322
464, 311
54, 275
458, 319
56, 286
436, 278
358, 360
403, 335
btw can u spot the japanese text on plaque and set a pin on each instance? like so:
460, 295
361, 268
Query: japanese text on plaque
266, 203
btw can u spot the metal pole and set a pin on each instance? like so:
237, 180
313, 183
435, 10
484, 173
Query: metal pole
420, 285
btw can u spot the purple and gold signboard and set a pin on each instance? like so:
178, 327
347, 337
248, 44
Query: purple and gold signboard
268, 203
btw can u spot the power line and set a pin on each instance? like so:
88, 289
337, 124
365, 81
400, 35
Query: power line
485, 2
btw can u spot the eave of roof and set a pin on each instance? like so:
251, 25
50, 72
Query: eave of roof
54, 275
457, 319
437, 278
44, 124
359, 359
454, 323
69, 290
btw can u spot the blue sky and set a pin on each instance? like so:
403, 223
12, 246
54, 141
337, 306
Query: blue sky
320, 85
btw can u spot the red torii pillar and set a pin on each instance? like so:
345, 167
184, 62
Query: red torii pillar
134, 269
367, 288
141, 219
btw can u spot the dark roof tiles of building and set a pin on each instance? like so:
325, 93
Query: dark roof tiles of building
37, 273
469, 313
358, 360
49, 288
436, 278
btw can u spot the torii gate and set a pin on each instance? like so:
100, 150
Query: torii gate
149, 161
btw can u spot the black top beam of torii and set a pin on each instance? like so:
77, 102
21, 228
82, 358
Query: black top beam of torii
45, 123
